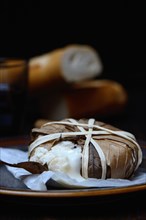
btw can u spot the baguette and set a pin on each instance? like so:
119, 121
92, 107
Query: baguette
69, 64
90, 98
96, 98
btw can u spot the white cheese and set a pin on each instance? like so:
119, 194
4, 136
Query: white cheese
64, 157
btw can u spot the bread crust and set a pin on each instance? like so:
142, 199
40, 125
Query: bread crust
67, 64
96, 98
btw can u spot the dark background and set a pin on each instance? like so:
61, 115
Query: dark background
116, 29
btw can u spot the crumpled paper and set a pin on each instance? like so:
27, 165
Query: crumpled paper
41, 181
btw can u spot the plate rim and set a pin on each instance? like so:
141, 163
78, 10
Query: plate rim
86, 192
63, 193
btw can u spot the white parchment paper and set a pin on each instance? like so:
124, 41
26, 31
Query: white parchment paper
40, 181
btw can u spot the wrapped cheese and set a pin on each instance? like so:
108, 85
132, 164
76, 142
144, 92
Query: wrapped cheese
85, 148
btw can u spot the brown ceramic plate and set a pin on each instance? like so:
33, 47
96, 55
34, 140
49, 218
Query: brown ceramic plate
12, 189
